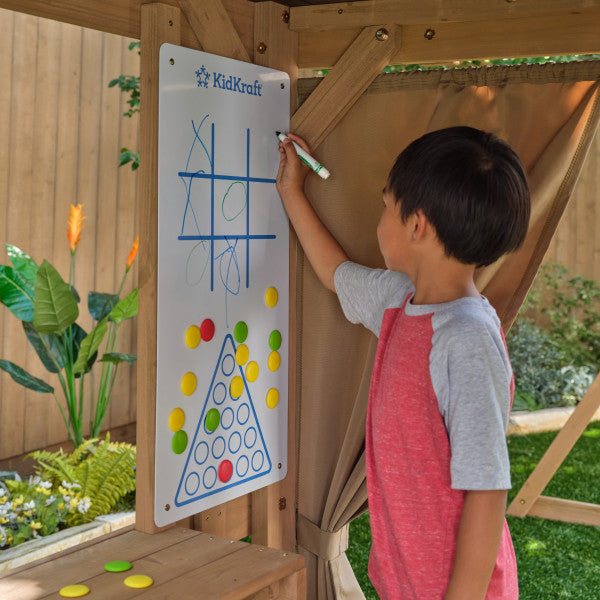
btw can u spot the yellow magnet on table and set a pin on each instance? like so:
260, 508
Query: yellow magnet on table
74, 591
138, 581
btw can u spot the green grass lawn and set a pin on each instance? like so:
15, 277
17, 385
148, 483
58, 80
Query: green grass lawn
555, 560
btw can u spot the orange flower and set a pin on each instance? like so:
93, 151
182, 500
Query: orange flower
74, 226
133, 252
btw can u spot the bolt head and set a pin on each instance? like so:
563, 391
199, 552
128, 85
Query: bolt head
382, 34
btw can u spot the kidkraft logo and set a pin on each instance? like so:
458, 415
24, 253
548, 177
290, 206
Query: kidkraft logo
228, 82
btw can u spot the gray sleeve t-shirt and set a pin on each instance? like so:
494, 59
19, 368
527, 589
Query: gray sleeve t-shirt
469, 366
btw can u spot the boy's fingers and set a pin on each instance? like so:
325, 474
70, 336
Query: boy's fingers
299, 141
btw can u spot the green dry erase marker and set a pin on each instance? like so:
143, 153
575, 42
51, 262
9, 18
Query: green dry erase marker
305, 157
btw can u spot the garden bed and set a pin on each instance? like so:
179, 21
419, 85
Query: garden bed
33, 550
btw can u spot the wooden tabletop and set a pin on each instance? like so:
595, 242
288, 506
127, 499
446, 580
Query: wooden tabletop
182, 563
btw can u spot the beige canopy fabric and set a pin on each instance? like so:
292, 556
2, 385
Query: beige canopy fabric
548, 113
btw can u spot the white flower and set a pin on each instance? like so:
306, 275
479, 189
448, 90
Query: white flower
50, 500
70, 485
29, 505
45, 484
84, 505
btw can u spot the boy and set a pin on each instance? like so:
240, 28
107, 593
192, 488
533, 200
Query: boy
441, 388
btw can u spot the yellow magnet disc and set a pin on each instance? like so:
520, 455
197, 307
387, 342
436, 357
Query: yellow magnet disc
192, 336
274, 361
237, 387
74, 591
242, 354
272, 398
271, 297
138, 581
176, 419
252, 371
188, 384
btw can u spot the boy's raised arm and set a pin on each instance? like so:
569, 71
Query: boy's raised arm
321, 248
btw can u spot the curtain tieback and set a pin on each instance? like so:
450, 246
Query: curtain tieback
324, 544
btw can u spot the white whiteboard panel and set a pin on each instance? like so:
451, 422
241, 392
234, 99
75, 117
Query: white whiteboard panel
221, 402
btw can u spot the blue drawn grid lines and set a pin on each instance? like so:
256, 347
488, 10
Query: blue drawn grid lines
212, 176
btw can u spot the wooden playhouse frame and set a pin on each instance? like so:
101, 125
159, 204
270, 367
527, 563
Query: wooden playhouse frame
356, 40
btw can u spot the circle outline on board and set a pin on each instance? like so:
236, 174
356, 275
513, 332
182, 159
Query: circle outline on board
210, 471
218, 453
220, 385
238, 440
241, 407
197, 483
228, 358
262, 460
205, 448
243, 457
252, 431
226, 424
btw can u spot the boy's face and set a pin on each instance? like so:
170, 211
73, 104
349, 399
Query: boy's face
394, 235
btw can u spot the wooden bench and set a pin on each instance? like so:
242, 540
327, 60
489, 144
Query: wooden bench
183, 564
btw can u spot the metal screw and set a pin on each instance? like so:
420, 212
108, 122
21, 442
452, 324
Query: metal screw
429, 34
282, 503
285, 17
172, 61
170, 23
382, 34
167, 507
340, 11
521, 501
261, 48
279, 465
282, 85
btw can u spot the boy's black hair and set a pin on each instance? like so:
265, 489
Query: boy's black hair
472, 188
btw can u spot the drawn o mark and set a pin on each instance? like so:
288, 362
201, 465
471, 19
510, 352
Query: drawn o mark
231, 202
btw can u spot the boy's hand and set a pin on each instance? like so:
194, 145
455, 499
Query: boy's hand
292, 171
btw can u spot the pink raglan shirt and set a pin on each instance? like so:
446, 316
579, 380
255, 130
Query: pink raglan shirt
440, 395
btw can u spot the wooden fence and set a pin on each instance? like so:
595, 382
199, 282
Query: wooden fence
61, 128
60, 133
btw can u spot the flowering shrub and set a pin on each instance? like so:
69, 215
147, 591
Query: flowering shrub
36, 508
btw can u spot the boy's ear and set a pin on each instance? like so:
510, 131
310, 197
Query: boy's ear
419, 225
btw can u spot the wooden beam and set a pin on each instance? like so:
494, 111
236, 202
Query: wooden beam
160, 24
568, 511
368, 54
213, 28
273, 507
544, 36
556, 453
123, 17
351, 15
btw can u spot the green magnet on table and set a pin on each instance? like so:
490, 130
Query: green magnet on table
117, 566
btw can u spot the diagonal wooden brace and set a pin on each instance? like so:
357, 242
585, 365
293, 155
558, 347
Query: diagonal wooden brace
213, 28
365, 58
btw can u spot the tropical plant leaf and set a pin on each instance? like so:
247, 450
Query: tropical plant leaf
24, 378
119, 357
46, 351
126, 308
75, 294
89, 346
55, 307
77, 335
23, 263
100, 304
16, 293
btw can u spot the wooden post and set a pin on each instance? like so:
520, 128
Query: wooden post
159, 23
273, 507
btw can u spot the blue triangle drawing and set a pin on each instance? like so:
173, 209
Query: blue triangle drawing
229, 450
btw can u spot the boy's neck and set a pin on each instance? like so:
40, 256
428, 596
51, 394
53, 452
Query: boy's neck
443, 280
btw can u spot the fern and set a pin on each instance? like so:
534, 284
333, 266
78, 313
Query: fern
105, 471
